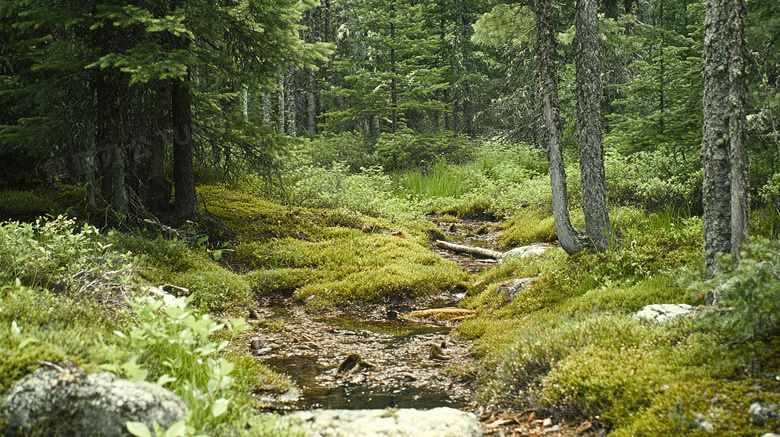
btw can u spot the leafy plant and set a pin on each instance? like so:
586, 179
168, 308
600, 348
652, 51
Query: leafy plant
749, 292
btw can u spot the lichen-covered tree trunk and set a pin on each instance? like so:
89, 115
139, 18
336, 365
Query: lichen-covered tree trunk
548, 77
723, 154
587, 63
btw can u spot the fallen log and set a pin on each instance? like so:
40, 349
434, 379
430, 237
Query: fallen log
441, 313
476, 251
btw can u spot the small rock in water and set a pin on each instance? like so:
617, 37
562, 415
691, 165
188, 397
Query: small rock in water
437, 353
353, 363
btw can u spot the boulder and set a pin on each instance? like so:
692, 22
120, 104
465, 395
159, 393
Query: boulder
63, 399
405, 422
664, 312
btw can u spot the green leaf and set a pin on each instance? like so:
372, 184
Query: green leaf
164, 379
27, 341
138, 429
220, 407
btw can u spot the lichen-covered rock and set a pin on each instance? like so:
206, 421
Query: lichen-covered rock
63, 399
664, 312
405, 422
528, 251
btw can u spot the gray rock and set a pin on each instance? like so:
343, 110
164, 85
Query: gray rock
535, 249
664, 312
63, 399
761, 413
510, 288
770, 434
406, 422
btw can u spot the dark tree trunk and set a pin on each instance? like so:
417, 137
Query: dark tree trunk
594, 205
185, 197
548, 77
110, 137
724, 159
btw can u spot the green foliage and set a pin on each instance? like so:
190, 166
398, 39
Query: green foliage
213, 288
59, 255
532, 225
654, 180
354, 150
403, 150
621, 370
751, 291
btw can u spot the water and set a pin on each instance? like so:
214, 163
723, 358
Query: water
403, 376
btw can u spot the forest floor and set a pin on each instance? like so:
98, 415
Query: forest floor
380, 356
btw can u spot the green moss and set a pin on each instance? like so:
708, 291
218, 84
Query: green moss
252, 376
27, 204
354, 266
216, 289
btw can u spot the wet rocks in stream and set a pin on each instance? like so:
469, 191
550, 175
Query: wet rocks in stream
367, 360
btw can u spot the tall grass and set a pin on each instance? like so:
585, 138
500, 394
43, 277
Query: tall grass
443, 180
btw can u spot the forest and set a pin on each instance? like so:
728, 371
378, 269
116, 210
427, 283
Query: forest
216, 197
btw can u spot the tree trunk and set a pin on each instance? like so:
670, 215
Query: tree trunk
548, 77
312, 108
110, 137
282, 111
185, 196
292, 106
740, 183
594, 205
266, 110
723, 154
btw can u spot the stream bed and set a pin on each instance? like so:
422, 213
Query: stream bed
398, 367
398, 370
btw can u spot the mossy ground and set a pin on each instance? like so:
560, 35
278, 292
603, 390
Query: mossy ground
567, 344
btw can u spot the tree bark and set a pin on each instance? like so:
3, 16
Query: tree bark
292, 106
183, 169
312, 108
594, 204
723, 154
548, 77
282, 111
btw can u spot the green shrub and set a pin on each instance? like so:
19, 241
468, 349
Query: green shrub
653, 180
751, 290
57, 254
353, 150
401, 150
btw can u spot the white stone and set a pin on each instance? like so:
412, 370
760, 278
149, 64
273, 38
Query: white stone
405, 422
535, 249
664, 312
